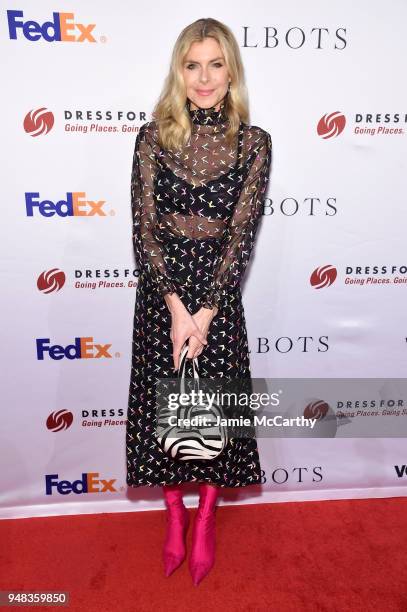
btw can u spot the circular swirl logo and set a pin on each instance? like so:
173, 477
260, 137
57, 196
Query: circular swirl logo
59, 420
38, 122
317, 410
323, 276
51, 280
331, 125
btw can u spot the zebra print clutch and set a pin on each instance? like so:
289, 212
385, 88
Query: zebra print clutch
184, 441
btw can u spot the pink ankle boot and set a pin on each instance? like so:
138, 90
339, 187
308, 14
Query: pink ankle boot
203, 535
174, 550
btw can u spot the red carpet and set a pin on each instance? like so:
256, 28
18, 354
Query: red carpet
332, 556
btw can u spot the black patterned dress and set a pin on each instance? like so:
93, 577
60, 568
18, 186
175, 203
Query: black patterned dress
195, 216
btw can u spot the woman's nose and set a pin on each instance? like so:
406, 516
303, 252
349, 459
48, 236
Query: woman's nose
204, 76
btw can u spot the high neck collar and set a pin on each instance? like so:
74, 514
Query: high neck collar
207, 116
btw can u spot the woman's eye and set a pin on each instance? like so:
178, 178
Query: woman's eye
216, 64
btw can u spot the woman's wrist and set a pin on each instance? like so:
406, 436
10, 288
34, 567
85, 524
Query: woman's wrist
205, 314
174, 303
210, 312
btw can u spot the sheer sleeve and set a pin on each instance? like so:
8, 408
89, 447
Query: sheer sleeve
239, 235
148, 250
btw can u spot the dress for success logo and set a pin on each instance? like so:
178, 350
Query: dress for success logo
83, 348
323, 276
38, 122
62, 28
331, 125
51, 280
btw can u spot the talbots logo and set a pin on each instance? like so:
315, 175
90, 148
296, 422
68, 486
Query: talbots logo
401, 470
59, 420
51, 280
62, 28
323, 276
89, 483
82, 348
76, 204
331, 125
38, 121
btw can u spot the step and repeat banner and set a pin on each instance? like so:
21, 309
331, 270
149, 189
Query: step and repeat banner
325, 290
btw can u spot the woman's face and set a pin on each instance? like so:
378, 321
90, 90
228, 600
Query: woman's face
205, 74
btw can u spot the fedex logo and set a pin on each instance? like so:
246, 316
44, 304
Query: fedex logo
89, 483
75, 205
61, 28
83, 348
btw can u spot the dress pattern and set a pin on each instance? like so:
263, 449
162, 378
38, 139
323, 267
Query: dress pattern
195, 216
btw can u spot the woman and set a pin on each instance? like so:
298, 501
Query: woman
198, 184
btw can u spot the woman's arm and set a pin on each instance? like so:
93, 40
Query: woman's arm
239, 237
148, 250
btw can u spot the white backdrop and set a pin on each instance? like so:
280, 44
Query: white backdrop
336, 198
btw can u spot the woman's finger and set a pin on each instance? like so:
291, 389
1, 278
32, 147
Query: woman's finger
193, 346
178, 346
198, 351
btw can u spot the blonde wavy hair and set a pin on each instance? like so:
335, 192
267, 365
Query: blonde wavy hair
170, 112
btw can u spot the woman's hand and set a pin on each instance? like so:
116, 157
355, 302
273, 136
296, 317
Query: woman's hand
183, 327
203, 318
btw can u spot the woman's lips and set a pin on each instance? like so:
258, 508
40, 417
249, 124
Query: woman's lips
204, 92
